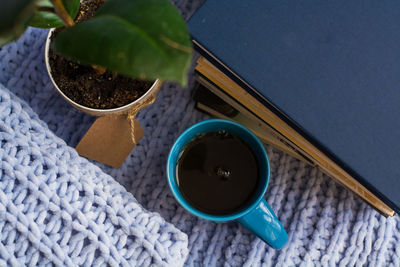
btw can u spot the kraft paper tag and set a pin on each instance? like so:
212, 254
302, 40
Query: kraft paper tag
109, 140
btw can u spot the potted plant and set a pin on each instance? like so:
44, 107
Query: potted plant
106, 57
115, 43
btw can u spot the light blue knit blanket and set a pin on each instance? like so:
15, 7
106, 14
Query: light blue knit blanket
58, 208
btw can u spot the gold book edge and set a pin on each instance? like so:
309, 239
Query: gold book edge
322, 161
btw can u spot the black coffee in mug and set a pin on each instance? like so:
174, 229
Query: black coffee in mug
217, 173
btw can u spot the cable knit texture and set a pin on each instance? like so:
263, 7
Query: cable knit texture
59, 208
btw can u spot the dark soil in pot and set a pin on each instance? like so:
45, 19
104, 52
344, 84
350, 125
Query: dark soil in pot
84, 85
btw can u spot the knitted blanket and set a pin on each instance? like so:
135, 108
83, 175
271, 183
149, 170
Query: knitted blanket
56, 207
75, 213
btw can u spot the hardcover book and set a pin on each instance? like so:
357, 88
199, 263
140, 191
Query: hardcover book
326, 73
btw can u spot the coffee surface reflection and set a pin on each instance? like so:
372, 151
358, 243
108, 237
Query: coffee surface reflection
217, 173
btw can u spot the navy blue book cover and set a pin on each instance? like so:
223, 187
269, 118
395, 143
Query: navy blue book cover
331, 67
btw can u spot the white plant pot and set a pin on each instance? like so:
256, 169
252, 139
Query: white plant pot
99, 112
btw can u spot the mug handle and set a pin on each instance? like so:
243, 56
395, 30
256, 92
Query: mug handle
263, 222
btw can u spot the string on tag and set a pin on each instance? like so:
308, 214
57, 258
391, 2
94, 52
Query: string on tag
133, 112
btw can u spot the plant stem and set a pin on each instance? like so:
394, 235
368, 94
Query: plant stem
62, 13
99, 69
69, 22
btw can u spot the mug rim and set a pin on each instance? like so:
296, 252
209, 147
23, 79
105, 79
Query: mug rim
171, 172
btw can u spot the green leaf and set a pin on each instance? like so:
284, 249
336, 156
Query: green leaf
14, 17
146, 39
43, 19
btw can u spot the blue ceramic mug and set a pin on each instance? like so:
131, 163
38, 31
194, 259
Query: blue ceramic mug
257, 216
